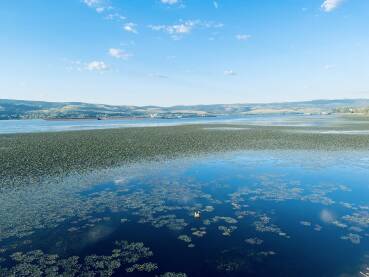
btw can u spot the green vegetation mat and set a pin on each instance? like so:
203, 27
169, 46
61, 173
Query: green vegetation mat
33, 156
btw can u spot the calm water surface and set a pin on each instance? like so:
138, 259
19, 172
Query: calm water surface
39, 125
262, 214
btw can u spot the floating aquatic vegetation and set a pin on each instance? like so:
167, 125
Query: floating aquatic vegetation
241, 261
133, 252
124, 220
359, 218
275, 188
145, 267
254, 241
206, 222
170, 221
226, 219
227, 231
32, 156
229, 266
173, 274
339, 224
266, 253
102, 265
305, 223
209, 209
37, 263
264, 225
73, 229
347, 205
319, 198
353, 238
163, 198
242, 214
356, 229
185, 238
318, 228
198, 232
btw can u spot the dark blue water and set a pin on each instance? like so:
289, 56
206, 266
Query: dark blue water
262, 214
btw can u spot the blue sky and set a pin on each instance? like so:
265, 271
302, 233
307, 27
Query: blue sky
166, 52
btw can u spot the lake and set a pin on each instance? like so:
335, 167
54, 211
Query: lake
39, 125
262, 213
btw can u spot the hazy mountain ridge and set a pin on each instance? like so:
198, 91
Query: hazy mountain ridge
23, 109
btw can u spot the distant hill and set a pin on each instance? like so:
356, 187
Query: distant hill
23, 109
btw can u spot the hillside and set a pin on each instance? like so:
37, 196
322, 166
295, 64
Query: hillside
22, 109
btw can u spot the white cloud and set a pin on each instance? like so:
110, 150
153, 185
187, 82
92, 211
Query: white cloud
130, 27
100, 6
119, 53
330, 5
96, 66
92, 3
115, 16
243, 37
169, 2
229, 73
77, 65
183, 28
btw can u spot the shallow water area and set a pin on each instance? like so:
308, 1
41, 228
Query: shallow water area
291, 120
263, 213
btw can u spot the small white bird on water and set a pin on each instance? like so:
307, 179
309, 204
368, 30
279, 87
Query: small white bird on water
197, 214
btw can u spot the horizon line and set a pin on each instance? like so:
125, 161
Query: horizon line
189, 105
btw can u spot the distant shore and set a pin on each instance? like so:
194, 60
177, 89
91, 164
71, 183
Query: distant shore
94, 118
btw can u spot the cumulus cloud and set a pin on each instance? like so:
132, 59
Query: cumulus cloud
182, 28
169, 2
330, 5
243, 37
130, 27
100, 9
185, 27
229, 73
103, 6
92, 3
119, 53
99, 5
115, 16
96, 66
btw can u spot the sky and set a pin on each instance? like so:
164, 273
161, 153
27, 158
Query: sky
169, 52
